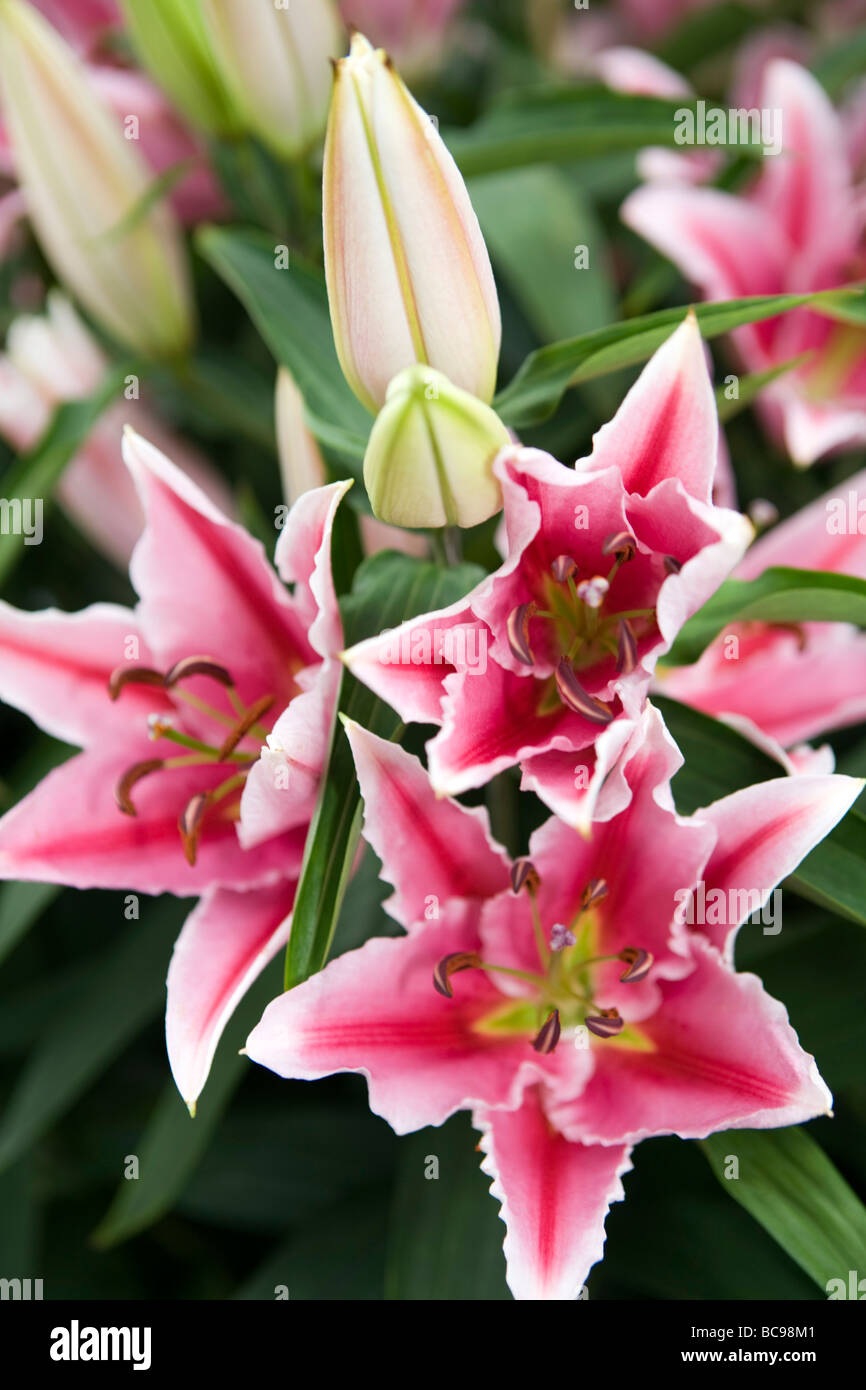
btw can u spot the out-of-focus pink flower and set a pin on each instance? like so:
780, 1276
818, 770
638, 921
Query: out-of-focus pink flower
54, 358
83, 23
605, 562
790, 683
563, 1000
798, 227
413, 31
205, 715
164, 140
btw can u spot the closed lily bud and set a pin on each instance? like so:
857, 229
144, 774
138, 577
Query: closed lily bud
86, 189
274, 56
171, 39
429, 460
301, 464
409, 278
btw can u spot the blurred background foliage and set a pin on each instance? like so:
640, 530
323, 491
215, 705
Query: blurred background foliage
279, 1183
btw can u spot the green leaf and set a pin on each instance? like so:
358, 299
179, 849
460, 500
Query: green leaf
21, 906
290, 309
445, 1235
338, 1255
239, 1185
33, 476
537, 254
749, 387
388, 588
843, 60
779, 595
545, 125
788, 1184
122, 993
545, 376
719, 761
173, 1143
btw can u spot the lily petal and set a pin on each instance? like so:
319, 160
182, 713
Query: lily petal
555, 1195
224, 945
69, 830
720, 1053
233, 606
303, 557
55, 667
667, 426
429, 846
375, 1011
763, 832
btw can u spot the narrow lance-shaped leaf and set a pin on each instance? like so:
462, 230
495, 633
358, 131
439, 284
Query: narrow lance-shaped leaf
788, 1184
779, 595
288, 304
545, 376
171, 1147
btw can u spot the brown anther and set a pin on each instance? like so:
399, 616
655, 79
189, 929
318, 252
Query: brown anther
548, 1034
132, 675
451, 965
243, 726
128, 780
626, 649
622, 544
572, 694
524, 875
798, 631
672, 566
593, 893
189, 824
605, 1024
563, 568
517, 631
639, 964
197, 666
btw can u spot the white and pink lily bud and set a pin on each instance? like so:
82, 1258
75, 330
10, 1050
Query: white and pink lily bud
275, 63
171, 40
429, 461
414, 31
302, 468
301, 464
86, 189
53, 358
409, 278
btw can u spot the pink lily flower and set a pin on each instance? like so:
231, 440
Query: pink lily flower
562, 999
83, 23
413, 31
605, 562
204, 716
53, 358
798, 227
789, 683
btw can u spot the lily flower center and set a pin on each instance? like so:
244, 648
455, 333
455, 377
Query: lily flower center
237, 740
562, 992
584, 624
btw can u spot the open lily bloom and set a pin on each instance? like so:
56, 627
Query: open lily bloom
204, 715
604, 564
791, 683
563, 999
798, 227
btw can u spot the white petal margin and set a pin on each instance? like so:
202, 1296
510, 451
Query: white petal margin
554, 1193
